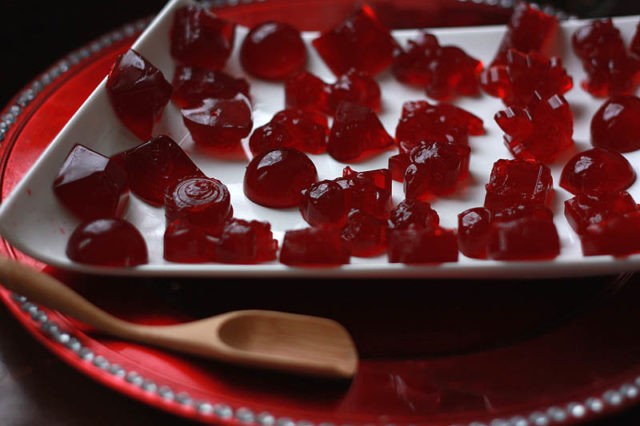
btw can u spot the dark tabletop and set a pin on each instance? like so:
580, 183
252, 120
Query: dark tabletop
36, 388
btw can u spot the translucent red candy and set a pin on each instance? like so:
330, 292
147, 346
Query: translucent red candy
138, 93
515, 182
368, 191
306, 91
246, 242
523, 75
356, 133
474, 228
276, 178
273, 51
529, 30
398, 165
315, 246
421, 121
354, 86
90, 185
584, 210
219, 124
445, 71
634, 46
436, 168
186, 243
616, 124
108, 242
155, 166
325, 203
359, 42
540, 131
199, 201
303, 130
610, 69
414, 245
413, 213
201, 39
597, 171
532, 237
618, 236
191, 86
365, 234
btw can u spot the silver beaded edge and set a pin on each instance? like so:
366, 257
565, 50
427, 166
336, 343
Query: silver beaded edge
554, 415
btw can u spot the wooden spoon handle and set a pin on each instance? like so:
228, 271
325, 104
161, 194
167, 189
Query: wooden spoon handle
48, 291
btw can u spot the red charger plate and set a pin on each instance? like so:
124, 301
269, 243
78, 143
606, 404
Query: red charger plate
494, 353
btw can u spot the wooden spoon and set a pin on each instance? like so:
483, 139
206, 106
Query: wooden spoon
294, 343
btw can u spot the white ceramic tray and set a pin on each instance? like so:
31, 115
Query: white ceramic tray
34, 222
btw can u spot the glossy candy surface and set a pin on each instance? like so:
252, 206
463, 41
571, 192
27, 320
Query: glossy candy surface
191, 86
315, 246
616, 124
365, 234
304, 130
474, 228
584, 210
325, 203
618, 236
246, 242
413, 213
354, 86
415, 245
597, 171
306, 91
526, 238
515, 182
186, 243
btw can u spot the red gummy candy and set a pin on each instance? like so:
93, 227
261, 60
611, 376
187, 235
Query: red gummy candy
515, 182
306, 91
365, 234
200, 39
523, 75
616, 124
411, 65
303, 130
634, 46
584, 210
359, 42
186, 243
540, 131
191, 86
398, 166
246, 242
324, 203
597, 171
199, 201
610, 69
276, 178
436, 169
354, 86
474, 227
413, 213
414, 245
138, 93
316, 246
155, 166
219, 124
368, 191
356, 132
526, 238
90, 185
618, 236
108, 242
529, 30
273, 51
421, 121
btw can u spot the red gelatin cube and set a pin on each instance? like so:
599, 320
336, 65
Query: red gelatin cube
411, 65
306, 91
199, 201
316, 246
514, 182
422, 246
186, 243
138, 93
273, 51
436, 169
616, 124
269, 137
597, 171
90, 185
246, 242
474, 227
219, 124
359, 42
453, 73
308, 129
365, 234
398, 166
324, 203
356, 132
541, 131
276, 178
526, 238
368, 191
108, 242
156, 166
200, 39
413, 213
618, 236
191, 86
584, 210
354, 86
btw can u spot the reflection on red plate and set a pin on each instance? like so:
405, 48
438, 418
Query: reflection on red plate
437, 353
